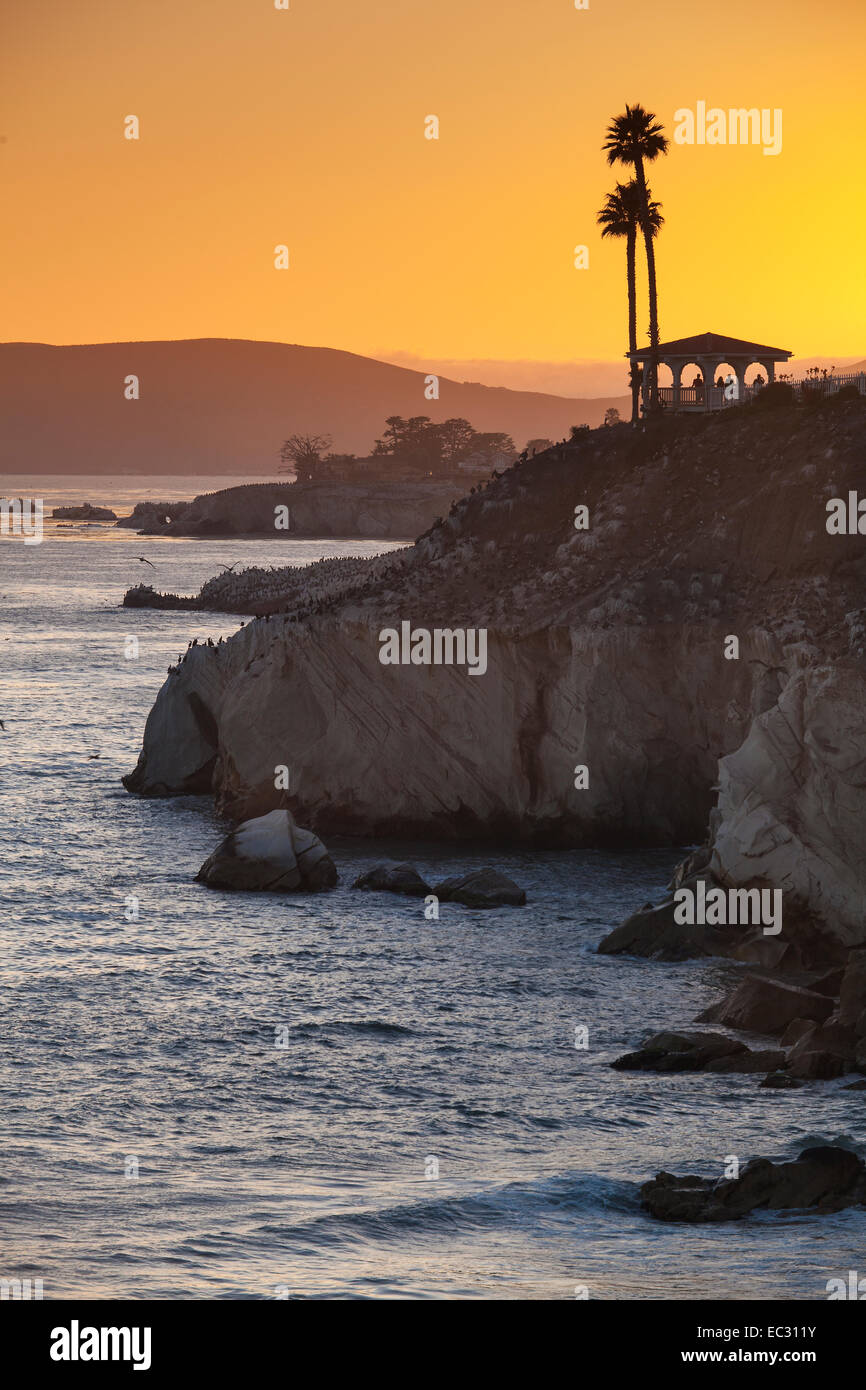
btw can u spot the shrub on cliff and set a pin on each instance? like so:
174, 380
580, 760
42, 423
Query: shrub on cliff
775, 396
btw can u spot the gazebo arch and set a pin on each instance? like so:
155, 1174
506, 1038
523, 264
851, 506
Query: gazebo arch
708, 351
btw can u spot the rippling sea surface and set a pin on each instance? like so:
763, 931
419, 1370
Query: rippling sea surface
301, 1169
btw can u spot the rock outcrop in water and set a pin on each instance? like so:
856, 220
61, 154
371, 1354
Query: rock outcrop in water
153, 518
379, 511
84, 512
608, 649
394, 878
270, 854
824, 1179
481, 888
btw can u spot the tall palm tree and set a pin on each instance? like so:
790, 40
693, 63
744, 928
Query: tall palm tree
636, 138
622, 216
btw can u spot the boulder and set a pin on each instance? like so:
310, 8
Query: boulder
781, 1081
795, 1030
270, 854
654, 933
762, 1005
816, 1066
680, 1052
766, 952
852, 994
481, 888
394, 878
830, 982
762, 1059
821, 1179
827, 1037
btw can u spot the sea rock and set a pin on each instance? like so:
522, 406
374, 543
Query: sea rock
762, 1059
681, 1052
821, 1179
781, 1081
653, 932
153, 518
85, 512
852, 994
394, 878
830, 983
766, 952
816, 1065
763, 1005
270, 854
795, 1031
481, 888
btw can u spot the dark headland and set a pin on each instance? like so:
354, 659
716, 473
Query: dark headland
694, 640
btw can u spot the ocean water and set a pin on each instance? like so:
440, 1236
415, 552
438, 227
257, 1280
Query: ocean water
305, 1169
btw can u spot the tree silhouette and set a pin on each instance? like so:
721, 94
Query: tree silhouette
304, 452
637, 138
621, 217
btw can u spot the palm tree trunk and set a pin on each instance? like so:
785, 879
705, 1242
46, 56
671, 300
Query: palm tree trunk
630, 249
653, 290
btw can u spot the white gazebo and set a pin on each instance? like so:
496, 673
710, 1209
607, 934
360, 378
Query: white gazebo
708, 351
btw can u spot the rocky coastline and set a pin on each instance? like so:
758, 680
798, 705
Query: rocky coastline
282, 510
610, 577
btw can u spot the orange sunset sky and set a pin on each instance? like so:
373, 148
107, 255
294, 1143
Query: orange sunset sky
306, 127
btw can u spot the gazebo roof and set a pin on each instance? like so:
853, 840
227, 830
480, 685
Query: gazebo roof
714, 345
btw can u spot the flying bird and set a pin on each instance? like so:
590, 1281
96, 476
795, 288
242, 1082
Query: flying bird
147, 562
227, 569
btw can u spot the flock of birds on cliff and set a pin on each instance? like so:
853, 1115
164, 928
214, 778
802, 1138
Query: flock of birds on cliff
293, 593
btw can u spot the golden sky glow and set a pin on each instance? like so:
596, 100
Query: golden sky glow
306, 127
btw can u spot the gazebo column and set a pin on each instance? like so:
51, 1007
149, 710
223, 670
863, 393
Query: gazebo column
770, 369
707, 370
740, 365
677, 372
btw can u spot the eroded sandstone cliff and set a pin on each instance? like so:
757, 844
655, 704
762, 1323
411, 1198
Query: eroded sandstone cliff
606, 649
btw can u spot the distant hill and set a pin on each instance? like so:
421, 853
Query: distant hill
221, 405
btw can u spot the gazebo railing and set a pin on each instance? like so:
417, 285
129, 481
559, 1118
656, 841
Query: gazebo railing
714, 398
829, 385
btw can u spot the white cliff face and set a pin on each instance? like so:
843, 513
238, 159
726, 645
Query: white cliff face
181, 735
792, 800
434, 751
606, 650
